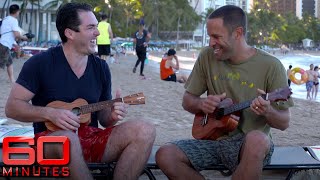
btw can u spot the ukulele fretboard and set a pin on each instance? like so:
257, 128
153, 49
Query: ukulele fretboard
98, 106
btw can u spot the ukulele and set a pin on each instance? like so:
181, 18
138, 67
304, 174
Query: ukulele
225, 118
81, 108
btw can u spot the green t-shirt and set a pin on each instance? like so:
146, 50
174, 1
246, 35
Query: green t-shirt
103, 38
240, 82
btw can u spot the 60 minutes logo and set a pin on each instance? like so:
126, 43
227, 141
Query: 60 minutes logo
40, 165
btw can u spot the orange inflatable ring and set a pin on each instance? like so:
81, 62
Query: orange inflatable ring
304, 76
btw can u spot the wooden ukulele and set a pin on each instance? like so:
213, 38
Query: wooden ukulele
223, 120
81, 107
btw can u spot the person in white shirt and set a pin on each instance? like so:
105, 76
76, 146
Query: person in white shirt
10, 33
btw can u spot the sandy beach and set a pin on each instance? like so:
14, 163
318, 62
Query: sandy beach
163, 107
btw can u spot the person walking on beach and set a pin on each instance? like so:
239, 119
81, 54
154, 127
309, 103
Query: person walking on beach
167, 65
87, 77
10, 32
316, 77
230, 68
288, 75
309, 83
105, 38
141, 39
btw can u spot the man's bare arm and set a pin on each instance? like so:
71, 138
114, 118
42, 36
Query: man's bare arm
175, 65
191, 103
110, 33
18, 36
278, 119
19, 108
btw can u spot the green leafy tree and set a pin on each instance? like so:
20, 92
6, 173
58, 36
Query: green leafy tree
262, 25
311, 27
291, 31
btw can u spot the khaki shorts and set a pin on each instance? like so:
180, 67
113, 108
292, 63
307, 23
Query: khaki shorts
206, 153
5, 56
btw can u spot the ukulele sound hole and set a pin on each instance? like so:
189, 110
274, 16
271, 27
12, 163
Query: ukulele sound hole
76, 111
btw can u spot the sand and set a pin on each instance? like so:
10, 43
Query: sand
163, 106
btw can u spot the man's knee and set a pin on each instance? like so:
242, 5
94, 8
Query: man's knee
56, 150
257, 142
143, 131
166, 155
73, 138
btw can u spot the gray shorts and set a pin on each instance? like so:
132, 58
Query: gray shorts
206, 153
5, 57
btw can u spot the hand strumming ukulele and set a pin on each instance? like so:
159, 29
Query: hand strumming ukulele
81, 107
223, 120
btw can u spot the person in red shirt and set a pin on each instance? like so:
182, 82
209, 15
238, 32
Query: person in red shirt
167, 67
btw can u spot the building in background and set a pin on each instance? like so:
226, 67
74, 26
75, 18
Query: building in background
39, 20
308, 7
277, 6
297, 7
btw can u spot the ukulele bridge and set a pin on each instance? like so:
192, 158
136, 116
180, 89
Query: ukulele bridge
204, 121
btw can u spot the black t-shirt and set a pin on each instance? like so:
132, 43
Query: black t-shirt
141, 38
49, 76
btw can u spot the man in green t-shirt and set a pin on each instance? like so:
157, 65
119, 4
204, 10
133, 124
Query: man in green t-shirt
230, 68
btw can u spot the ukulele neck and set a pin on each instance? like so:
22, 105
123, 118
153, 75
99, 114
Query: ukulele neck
98, 106
239, 107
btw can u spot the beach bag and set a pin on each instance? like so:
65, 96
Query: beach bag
146, 61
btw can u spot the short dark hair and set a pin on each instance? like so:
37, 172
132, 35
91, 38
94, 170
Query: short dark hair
13, 8
68, 17
171, 52
104, 17
290, 66
141, 22
232, 16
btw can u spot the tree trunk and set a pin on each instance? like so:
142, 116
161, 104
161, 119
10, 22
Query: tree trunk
40, 24
3, 9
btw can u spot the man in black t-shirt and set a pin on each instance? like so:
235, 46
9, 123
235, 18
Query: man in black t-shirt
70, 72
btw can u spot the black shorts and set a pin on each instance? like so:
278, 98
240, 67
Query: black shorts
172, 77
104, 49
